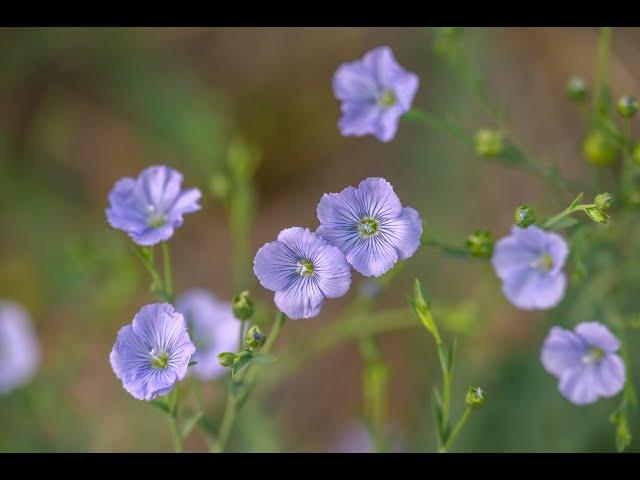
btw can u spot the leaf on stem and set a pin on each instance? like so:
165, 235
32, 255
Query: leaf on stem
245, 358
423, 311
190, 422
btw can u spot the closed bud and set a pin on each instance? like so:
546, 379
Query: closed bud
489, 143
227, 359
599, 149
603, 201
219, 185
480, 244
524, 216
577, 89
597, 215
242, 306
476, 397
627, 106
254, 337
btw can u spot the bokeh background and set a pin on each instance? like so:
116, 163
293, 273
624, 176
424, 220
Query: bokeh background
83, 107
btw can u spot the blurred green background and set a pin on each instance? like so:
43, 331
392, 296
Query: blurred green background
84, 107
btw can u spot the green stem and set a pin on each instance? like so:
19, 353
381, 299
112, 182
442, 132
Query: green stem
446, 389
453, 250
439, 124
168, 276
456, 431
175, 434
552, 221
602, 77
374, 390
232, 407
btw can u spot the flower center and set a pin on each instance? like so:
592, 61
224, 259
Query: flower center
155, 219
544, 262
387, 99
304, 268
594, 355
368, 227
159, 359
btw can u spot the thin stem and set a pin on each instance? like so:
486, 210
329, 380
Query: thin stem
175, 434
374, 389
446, 389
168, 276
232, 407
439, 124
453, 250
602, 78
552, 221
456, 430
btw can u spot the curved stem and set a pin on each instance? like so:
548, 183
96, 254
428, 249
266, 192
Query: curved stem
232, 407
456, 431
168, 275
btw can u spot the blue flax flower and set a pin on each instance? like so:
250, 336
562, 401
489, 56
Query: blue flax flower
19, 347
212, 328
153, 352
370, 226
149, 208
302, 269
375, 92
584, 361
529, 262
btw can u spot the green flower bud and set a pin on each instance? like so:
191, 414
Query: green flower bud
597, 215
476, 397
599, 149
577, 89
603, 201
227, 359
219, 185
489, 143
480, 244
254, 337
627, 106
242, 306
524, 216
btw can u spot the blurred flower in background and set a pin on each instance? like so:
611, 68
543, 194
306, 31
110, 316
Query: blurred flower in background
212, 327
19, 348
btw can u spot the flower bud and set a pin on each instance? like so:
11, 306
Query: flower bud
254, 337
476, 397
480, 244
577, 89
603, 201
489, 143
242, 306
627, 106
524, 216
227, 359
599, 149
597, 215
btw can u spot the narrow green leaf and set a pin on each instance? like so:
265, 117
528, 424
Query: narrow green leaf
423, 310
436, 409
189, 423
191, 364
577, 200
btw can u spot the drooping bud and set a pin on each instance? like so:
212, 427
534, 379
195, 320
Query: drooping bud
227, 359
524, 216
476, 397
489, 143
599, 149
577, 89
603, 201
254, 337
627, 106
480, 244
242, 306
597, 215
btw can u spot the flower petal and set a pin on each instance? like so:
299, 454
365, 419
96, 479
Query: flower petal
562, 350
302, 299
598, 335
